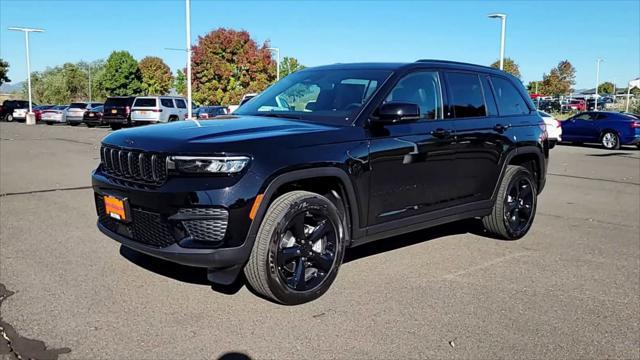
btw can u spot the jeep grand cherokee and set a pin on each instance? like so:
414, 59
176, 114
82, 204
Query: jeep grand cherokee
326, 159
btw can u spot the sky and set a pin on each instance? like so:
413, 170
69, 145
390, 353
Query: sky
539, 33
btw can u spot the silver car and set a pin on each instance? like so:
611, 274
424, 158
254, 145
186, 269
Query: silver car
56, 114
76, 111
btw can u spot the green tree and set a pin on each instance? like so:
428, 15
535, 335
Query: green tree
289, 65
121, 76
4, 68
560, 79
180, 83
156, 76
510, 67
534, 87
605, 88
227, 64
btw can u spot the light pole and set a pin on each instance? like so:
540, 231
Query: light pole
188, 21
595, 104
89, 71
277, 50
503, 18
31, 120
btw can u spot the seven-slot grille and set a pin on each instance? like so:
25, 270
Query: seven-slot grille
137, 166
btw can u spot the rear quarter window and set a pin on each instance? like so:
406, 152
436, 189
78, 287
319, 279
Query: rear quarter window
167, 102
510, 102
181, 104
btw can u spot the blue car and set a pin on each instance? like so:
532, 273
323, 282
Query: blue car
611, 129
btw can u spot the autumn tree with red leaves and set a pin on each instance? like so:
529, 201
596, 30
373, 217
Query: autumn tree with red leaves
226, 64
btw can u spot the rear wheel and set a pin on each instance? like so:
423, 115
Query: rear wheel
89, 125
49, 122
9, 118
515, 205
72, 123
610, 140
298, 250
115, 126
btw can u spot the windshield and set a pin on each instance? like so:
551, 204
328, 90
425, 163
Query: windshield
326, 95
77, 106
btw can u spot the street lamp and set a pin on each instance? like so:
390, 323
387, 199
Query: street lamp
31, 120
595, 106
188, 23
277, 50
503, 18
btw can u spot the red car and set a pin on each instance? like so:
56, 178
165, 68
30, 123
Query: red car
575, 105
39, 109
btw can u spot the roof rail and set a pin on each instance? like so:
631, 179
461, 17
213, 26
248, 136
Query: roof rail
454, 62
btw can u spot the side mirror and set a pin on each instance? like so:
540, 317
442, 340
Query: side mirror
396, 112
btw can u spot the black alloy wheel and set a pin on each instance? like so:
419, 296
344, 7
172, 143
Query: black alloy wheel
306, 250
519, 204
298, 249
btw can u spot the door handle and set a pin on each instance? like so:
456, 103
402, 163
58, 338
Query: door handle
441, 133
499, 128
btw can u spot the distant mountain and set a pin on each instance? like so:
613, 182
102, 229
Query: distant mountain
11, 87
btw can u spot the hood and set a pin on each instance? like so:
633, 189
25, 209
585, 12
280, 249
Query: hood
211, 135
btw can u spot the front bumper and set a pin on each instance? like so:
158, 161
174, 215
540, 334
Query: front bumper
161, 218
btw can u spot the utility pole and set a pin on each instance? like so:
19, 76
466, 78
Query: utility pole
595, 104
31, 119
503, 18
188, 21
277, 50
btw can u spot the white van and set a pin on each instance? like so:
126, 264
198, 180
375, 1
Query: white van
156, 109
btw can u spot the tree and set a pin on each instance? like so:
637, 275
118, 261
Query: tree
605, 88
289, 65
227, 64
156, 76
4, 68
122, 76
560, 79
534, 87
510, 66
180, 82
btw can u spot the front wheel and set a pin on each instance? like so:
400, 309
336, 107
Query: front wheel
115, 126
298, 250
610, 140
515, 205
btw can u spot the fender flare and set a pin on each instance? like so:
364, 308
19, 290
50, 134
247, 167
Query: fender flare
529, 149
287, 177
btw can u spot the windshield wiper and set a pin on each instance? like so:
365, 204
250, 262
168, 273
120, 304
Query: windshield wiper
279, 115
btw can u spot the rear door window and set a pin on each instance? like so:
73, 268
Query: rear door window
77, 106
145, 102
167, 103
510, 102
181, 104
466, 97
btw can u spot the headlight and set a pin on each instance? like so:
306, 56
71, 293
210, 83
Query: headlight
207, 165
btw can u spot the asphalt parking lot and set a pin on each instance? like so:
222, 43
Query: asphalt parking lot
569, 289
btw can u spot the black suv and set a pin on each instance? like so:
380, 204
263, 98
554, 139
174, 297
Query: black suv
117, 111
6, 110
326, 159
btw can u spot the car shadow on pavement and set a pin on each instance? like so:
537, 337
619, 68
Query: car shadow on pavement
198, 276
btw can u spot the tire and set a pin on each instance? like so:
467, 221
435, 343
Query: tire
610, 140
89, 125
270, 263
72, 123
49, 122
500, 223
9, 118
115, 126
172, 119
